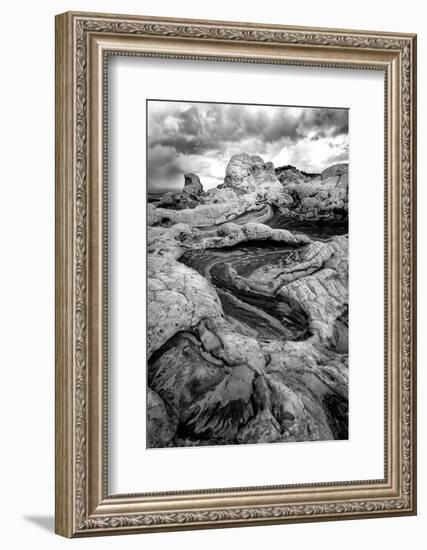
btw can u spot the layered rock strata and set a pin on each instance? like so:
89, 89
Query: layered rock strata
247, 325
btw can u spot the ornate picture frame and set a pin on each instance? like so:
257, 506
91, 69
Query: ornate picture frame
84, 42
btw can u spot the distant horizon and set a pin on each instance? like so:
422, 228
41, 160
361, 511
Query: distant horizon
162, 190
201, 138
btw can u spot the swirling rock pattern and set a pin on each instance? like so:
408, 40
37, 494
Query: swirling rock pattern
247, 325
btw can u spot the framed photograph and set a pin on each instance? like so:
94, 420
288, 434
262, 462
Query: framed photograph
235, 274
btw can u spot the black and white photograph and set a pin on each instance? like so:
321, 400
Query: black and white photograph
247, 267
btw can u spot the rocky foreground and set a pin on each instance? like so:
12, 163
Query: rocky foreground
248, 308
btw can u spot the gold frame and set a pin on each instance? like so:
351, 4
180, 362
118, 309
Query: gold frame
83, 42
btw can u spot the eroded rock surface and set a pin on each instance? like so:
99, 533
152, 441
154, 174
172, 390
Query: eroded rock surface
291, 174
338, 174
247, 319
246, 173
189, 197
161, 425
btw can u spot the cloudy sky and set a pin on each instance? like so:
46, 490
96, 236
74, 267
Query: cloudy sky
201, 138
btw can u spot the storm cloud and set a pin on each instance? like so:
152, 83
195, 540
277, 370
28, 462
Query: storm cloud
201, 138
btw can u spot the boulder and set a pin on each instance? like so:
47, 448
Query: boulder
247, 173
178, 298
189, 197
335, 170
213, 196
192, 186
291, 174
337, 175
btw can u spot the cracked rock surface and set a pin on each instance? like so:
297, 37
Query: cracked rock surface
247, 320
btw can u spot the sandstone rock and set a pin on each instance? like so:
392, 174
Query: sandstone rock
301, 263
178, 298
168, 242
247, 173
280, 198
343, 182
216, 195
335, 170
161, 427
192, 192
247, 325
320, 201
189, 197
181, 374
336, 175
200, 216
298, 409
291, 174
264, 428
323, 295
231, 234
192, 185
221, 413
316, 196
210, 400
170, 200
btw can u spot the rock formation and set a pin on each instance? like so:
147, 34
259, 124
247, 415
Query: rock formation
247, 324
316, 197
246, 173
189, 196
291, 174
336, 174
